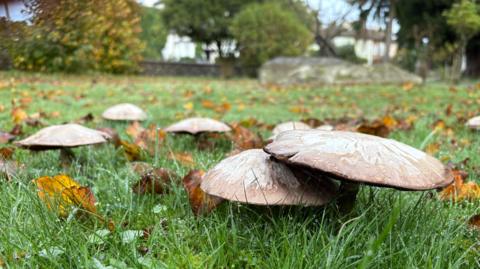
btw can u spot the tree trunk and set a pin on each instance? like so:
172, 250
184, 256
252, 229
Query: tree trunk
457, 61
388, 31
473, 57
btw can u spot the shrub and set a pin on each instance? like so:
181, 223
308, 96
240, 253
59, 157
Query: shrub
154, 34
264, 31
71, 36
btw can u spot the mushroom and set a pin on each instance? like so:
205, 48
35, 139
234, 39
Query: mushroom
198, 125
125, 112
355, 158
63, 137
474, 123
252, 177
325, 127
289, 125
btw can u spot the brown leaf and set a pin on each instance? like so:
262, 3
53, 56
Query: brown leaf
223, 108
200, 202
132, 151
407, 86
85, 119
141, 168
184, 158
150, 139
377, 128
113, 134
17, 130
155, 181
313, 122
432, 148
244, 139
6, 153
474, 222
208, 104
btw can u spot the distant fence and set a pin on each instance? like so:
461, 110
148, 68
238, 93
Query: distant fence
159, 68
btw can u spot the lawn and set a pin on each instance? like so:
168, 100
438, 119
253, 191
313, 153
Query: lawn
386, 229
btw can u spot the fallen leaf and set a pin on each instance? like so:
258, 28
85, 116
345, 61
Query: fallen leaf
299, 110
115, 138
377, 128
6, 152
132, 152
432, 148
200, 202
407, 86
474, 222
8, 169
61, 193
134, 129
223, 108
85, 119
6, 137
188, 106
459, 190
155, 181
208, 104
151, 139
18, 115
184, 158
245, 139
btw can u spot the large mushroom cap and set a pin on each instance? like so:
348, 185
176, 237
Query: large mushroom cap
63, 136
198, 125
288, 126
124, 112
361, 158
252, 177
473, 123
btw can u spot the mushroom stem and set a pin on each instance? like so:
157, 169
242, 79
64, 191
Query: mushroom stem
66, 156
347, 197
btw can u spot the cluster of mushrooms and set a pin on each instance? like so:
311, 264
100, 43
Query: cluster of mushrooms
300, 166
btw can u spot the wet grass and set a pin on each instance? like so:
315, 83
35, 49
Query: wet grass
387, 228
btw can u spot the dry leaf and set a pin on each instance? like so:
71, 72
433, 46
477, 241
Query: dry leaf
134, 129
200, 202
432, 148
244, 139
377, 128
208, 104
154, 181
18, 115
299, 110
62, 192
188, 106
459, 190
223, 108
474, 222
150, 139
407, 86
132, 152
6, 152
115, 138
184, 158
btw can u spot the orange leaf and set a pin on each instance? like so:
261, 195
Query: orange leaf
208, 104
6, 153
182, 157
432, 148
134, 129
200, 202
377, 128
407, 86
223, 108
18, 115
390, 122
459, 190
148, 139
62, 192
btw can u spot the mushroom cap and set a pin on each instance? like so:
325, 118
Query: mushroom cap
361, 158
124, 111
198, 125
63, 136
289, 125
473, 123
252, 177
325, 127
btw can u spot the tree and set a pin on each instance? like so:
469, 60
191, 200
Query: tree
154, 33
465, 19
267, 30
71, 36
204, 21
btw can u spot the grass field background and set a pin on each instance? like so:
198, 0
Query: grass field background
387, 228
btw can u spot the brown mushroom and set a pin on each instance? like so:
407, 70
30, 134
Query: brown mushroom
125, 112
360, 158
474, 123
63, 137
198, 125
289, 125
253, 177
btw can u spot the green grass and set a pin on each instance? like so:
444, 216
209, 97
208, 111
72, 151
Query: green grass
387, 228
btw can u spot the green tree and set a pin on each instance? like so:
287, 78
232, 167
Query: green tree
464, 18
154, 34
204, 21
70, 36
267, 30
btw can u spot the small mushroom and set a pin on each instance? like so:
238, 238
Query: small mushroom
474, 123
125, 112
287, 126
198, 125
63, 137
361, 158
253, 177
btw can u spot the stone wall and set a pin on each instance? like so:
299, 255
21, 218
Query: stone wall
159, 68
